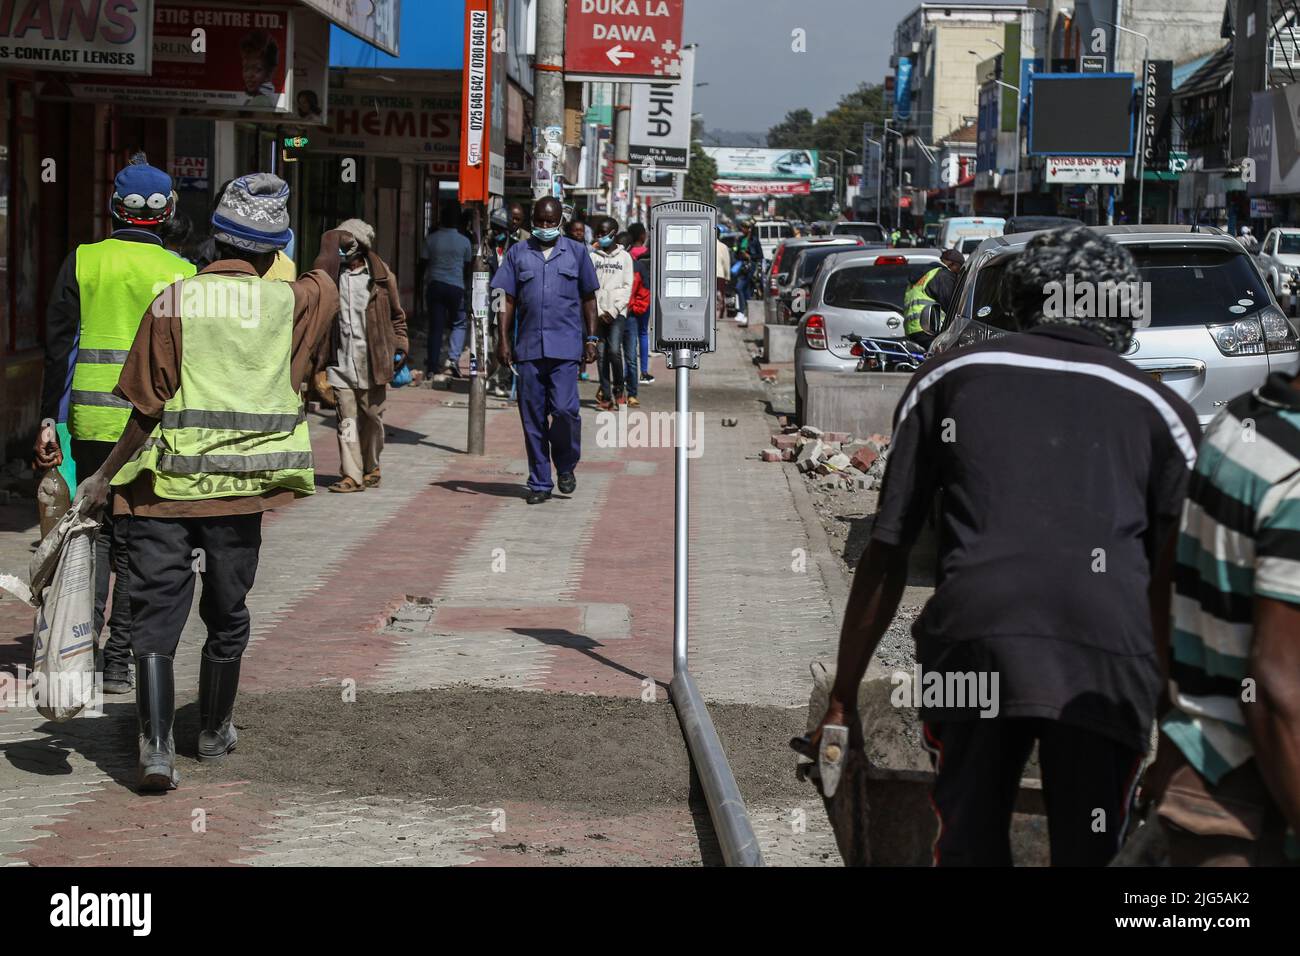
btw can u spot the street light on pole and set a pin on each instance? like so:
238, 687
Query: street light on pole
898, 164
1015, 198
1142, 119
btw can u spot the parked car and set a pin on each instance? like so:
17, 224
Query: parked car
857, 292
1215, 329
803, 273
1035, 223
953, 230
1279, 261
778, 274
871, 233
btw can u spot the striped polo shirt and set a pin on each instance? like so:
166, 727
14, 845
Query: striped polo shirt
1239, 538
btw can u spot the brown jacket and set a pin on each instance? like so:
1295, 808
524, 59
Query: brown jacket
385, 324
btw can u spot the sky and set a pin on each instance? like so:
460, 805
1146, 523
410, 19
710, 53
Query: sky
754, 76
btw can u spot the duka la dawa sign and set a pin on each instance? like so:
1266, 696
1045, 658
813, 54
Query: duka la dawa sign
623, 39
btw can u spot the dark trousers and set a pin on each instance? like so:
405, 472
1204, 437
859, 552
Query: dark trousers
110, 562
1088, 784
612, 344
164, 556
445, 301
631, 346
548, 409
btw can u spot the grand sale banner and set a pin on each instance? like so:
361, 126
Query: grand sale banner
205, 55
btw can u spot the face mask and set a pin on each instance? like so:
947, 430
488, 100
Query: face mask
546, 236
606, 241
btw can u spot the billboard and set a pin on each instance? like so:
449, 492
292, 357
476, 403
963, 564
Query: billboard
661, 120
70, 35
1081, 114
753, 188
1274, 142
241, 64
739, 162
375, 21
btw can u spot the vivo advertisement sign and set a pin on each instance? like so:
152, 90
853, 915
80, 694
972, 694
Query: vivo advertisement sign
903, 90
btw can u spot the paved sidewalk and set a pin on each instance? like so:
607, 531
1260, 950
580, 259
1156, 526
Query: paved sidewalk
574, 596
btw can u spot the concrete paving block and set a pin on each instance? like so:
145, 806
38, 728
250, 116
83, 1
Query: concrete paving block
778, 342
856, 402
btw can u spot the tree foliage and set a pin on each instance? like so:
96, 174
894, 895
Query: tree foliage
839, 129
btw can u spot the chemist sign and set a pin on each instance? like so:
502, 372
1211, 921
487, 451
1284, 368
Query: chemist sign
78, 36
623, 40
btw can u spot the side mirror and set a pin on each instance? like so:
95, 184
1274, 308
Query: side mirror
931, 319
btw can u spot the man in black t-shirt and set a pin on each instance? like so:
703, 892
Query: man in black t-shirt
1062, 470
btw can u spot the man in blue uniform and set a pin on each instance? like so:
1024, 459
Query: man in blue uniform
548, 327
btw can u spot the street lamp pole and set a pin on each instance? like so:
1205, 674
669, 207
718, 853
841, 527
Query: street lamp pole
1015, 182
1142, 120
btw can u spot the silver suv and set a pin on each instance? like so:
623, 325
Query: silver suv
1215, 330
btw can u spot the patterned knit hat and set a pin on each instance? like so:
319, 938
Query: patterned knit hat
253, 215
1036, 279
142, 194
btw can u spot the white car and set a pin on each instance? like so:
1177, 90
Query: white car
1279, 261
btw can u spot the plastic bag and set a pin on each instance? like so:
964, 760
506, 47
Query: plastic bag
63, 592
403, 374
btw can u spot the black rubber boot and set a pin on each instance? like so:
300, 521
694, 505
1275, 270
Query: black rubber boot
218, 683
155, 703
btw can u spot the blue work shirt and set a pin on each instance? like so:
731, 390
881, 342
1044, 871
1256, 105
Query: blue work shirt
447, 252
548, 296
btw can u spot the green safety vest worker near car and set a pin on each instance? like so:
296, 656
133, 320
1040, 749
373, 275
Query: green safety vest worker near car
934, 288
216, 436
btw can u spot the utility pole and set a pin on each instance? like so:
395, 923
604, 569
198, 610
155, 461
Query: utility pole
548, 99
622, 150
478, 352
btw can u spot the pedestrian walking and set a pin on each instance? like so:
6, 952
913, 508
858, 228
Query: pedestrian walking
217, 435
750, 253
445, 259
1225, 787
613, 267
1041, 629
101, 291
369, 346
638, 307
548, 328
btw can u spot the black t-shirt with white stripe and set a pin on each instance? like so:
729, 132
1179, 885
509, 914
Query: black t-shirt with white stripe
1056, 460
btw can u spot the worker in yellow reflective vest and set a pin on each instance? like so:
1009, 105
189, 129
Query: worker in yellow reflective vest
217, 436
102, 290
934, 288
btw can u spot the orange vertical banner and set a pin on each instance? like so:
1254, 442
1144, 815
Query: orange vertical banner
476, 102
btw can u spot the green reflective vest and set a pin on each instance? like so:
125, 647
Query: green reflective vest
915, 300
116, 281
236, 425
